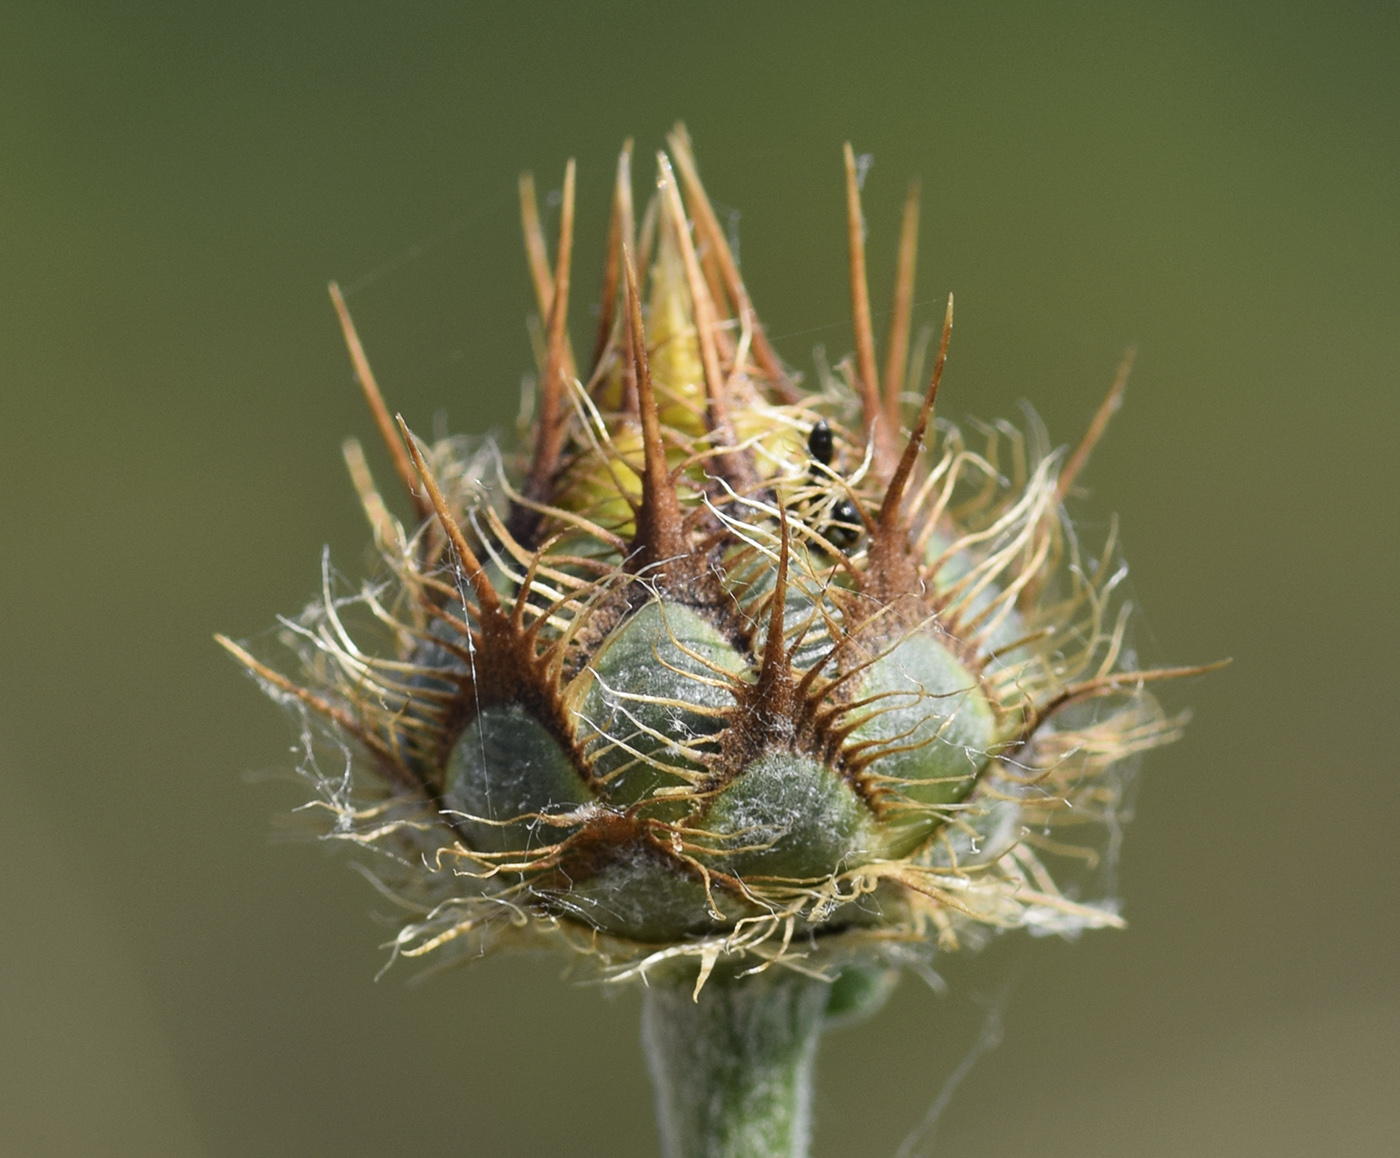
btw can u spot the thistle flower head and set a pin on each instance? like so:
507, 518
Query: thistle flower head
717, 669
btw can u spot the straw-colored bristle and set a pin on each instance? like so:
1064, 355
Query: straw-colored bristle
867, 381
901, 311
378, 410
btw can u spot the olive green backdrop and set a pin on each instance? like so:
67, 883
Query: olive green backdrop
1220, 183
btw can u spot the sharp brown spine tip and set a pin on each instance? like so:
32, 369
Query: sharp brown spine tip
659, 523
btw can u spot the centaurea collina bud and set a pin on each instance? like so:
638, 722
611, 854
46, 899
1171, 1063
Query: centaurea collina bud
751, 693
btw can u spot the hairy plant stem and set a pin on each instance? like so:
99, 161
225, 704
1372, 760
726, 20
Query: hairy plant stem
733, 1070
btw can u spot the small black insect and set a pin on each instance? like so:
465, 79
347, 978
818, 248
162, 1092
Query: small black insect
845, 526
820, 444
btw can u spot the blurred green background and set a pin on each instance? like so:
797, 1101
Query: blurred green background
1220, 183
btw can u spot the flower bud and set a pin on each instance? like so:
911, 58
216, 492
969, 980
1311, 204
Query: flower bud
717, 671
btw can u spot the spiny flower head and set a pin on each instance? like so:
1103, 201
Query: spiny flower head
719, 670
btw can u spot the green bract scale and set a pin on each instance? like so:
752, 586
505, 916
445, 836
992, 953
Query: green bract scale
719, 674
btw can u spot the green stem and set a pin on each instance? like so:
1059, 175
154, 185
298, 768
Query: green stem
733, 1070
